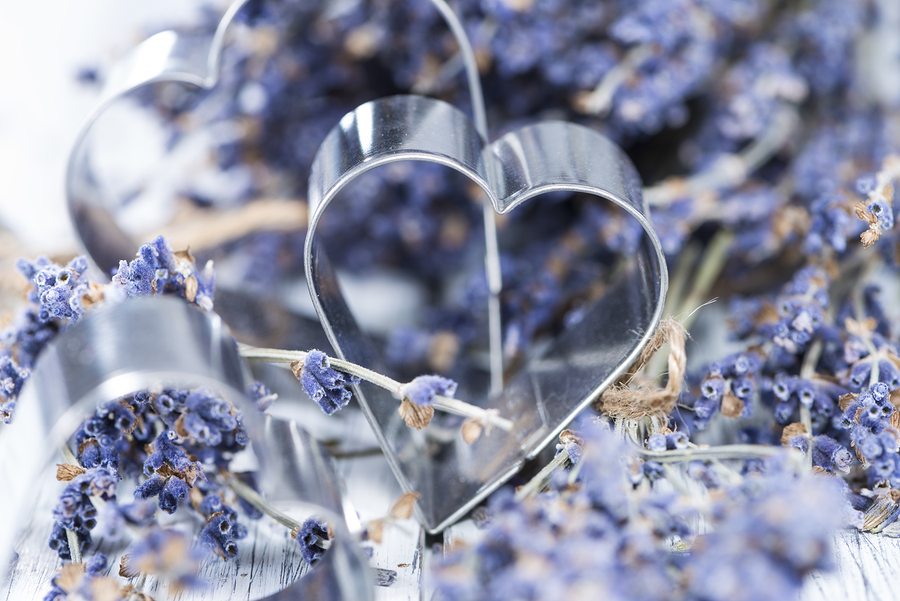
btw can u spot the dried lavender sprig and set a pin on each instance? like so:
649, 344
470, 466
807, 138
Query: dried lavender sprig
441, 403
310, 549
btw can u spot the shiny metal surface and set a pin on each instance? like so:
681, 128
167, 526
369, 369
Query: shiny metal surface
554, 385
148, 342
194, 61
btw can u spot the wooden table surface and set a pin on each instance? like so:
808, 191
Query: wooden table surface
867, 566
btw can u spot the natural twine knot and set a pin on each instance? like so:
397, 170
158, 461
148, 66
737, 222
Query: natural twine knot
627, 400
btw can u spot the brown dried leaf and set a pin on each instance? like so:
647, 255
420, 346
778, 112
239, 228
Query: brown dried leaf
126, 570
185, 255
105, 589
870, 236
132, 594
415, 416
296, 368
731, 405
442, 350
567, 436
862, 212
471, 430
792, 430
93, 296
66, 471
375, 530
70, 576
845, 399
191, 286
403, 507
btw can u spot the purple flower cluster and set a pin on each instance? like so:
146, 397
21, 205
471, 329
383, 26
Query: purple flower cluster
222, 529
158, 270
313, 538
329, 388
57, 290
58, 296
768, 534
75, 510
727, 388
872, 434
12, 377
614, 534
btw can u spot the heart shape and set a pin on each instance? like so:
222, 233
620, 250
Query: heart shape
193, 61
117, 350
580, 362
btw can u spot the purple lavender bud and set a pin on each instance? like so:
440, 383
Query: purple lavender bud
713, 388
97, 564
328, 387
806, 393
869, 447
880, 391
859, 374
829, 454
783, 387
423, 389
150, 487
174, 492
742, 388
783, 413
313, 540
656, 442
261, 396
883, 212
12, 378
677, 440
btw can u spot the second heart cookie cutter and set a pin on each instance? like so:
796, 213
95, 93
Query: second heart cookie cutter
195, 60
450, 476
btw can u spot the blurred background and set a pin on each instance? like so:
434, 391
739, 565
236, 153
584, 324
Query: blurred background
45, 45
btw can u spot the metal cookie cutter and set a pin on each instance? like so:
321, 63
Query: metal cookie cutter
194, 61
120, 349
577, 365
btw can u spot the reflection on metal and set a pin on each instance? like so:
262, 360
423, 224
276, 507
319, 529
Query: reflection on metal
145, 343
572, 370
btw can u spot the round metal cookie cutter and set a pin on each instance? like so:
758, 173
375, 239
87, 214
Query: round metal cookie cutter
580, 362
143, 343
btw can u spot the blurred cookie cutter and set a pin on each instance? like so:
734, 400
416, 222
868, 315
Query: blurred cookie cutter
194, 60
450, 476
118, 350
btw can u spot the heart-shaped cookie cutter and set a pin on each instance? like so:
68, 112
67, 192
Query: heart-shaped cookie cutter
451, 476
194, 60
119, 350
